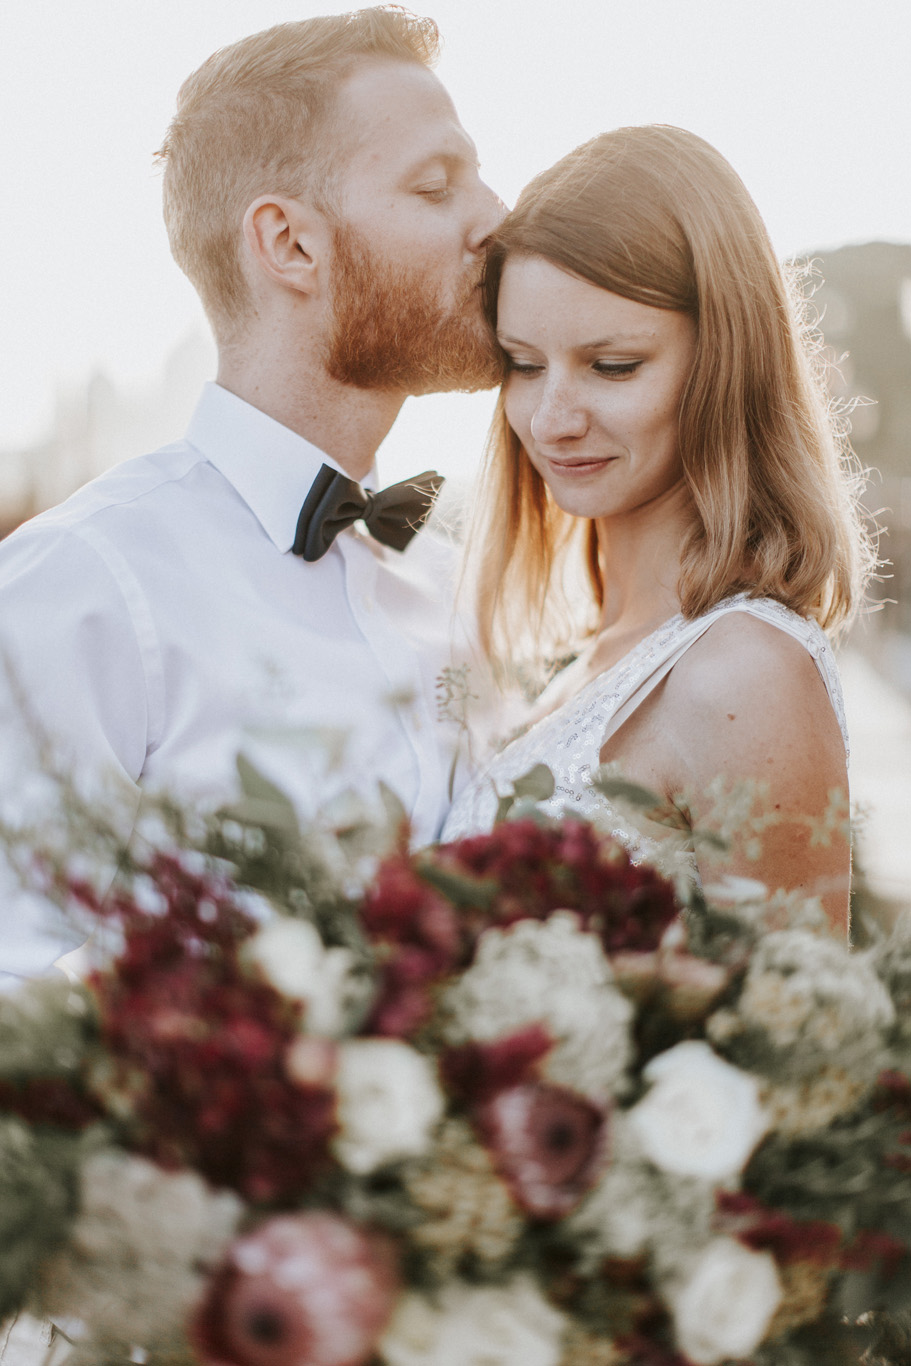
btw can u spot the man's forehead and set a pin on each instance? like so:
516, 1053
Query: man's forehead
400, 110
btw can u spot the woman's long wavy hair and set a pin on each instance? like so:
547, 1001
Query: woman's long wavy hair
656, 215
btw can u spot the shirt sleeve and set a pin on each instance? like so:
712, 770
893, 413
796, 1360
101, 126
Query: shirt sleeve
73, 702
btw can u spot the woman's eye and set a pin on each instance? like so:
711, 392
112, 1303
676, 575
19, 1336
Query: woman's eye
522, 367
435, 193
616, 369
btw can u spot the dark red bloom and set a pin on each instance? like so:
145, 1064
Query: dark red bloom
476, 1072
305, 1288
773, 1230
199, 1047
425, 912
548, 1144
869, 1249
538, 869
642, 1351
49, 1100
416, 933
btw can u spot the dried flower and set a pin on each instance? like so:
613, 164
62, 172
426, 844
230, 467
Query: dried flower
807, 1106
469, 1213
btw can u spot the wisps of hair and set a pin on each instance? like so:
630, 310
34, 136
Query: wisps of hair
257, 118
656, 215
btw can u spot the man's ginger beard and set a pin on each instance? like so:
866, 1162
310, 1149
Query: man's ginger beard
390, 330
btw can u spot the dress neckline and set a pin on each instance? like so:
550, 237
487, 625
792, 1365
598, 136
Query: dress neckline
606, 675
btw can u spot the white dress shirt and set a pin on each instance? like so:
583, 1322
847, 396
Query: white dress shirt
157, 622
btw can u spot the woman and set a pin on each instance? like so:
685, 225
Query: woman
665, 496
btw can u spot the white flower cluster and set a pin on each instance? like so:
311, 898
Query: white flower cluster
810, 990
503, 1325
151, 1234
555, 974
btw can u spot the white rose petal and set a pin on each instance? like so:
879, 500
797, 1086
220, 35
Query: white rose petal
508, 1325
725, 1306
701, 1117
389, 1102
289, 953
293, 959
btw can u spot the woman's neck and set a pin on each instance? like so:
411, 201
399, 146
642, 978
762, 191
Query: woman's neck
640, 558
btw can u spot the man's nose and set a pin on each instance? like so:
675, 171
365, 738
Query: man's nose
489, 215
558, 417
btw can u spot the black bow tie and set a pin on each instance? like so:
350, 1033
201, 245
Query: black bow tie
392, 516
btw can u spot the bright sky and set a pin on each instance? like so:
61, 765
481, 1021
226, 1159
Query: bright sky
808, 99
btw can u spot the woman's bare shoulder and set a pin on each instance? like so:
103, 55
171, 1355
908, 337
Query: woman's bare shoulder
746, 696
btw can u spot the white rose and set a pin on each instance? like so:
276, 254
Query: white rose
293, 958
701, 1117
725, 1306
389, 1102
504, 1325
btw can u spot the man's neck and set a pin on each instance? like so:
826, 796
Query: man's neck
346, 423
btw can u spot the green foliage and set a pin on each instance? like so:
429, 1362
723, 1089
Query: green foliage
38, 1201
46, 1028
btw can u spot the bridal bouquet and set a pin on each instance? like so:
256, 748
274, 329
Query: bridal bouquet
510, 1104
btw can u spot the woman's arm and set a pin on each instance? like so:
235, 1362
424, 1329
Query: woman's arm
747, 702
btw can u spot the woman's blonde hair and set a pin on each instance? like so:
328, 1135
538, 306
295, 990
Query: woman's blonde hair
656, 215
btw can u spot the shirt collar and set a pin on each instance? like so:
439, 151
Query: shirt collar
268, 465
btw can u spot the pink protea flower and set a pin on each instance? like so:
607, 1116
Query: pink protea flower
300, 1290
548, 1143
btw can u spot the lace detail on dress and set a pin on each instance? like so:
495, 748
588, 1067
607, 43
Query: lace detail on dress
569, 740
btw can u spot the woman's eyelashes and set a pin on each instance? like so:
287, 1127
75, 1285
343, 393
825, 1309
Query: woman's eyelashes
609, 369
616, 369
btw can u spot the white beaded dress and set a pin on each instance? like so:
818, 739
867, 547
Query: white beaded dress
569, 739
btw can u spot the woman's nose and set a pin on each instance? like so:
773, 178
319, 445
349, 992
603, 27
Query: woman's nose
558, 417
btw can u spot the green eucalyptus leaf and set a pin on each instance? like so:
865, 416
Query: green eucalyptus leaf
460, 888
621, 789
537, 784
393, 807
262, 803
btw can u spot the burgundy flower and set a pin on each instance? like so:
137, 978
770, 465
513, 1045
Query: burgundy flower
548, 1143
773, 1230
416, 934
300, 1290
198, 1048
476, 1072
537, 869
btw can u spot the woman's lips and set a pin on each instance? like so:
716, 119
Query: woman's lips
577, 468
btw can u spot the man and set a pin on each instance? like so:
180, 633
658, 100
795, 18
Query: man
325, 202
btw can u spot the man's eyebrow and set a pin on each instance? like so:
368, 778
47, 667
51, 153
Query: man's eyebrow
456, 153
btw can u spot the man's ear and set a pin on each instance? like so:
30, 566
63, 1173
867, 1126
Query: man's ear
289, 241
